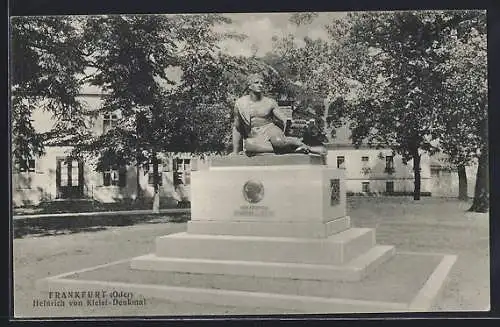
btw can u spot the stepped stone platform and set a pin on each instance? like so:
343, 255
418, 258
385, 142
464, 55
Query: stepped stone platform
272, 231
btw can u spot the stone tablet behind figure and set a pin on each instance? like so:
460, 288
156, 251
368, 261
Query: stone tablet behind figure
254, 129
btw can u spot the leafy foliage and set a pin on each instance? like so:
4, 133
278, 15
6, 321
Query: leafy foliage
411, 81
46, 62
418, 97
464, 111
320, 71
399, 79
303, 17
131, 56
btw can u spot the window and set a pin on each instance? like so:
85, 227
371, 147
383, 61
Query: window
69, 172
151, 178
365, 169
109, 121
389, 164
26, 165
150, 169
115, 176
64, 173
365, 187
182, 164
389, 187
182, 170
74, 173
341, 162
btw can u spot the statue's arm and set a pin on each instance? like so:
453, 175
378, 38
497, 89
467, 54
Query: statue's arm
237, 137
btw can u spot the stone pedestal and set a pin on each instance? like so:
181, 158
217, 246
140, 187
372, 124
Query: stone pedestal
269, 216
272, 232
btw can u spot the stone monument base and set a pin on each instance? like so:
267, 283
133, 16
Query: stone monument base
408, 282
272, 231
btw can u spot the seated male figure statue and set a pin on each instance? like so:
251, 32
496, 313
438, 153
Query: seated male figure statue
254, 125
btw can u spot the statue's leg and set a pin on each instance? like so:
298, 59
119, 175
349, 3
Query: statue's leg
292, 144
284, 144
256, 145
318, 149
273, 140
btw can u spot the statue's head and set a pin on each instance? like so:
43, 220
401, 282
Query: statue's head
256, 83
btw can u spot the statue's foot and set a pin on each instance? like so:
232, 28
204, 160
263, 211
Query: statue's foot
303, 149
233, 154
321, 150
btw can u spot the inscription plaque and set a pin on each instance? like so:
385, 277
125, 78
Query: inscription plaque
334, 192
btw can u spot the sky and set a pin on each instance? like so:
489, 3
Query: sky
261, 27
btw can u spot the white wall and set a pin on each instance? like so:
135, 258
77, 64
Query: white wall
445, 182
34, 187
402, 177
43, 121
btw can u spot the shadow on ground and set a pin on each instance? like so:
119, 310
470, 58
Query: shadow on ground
70, 225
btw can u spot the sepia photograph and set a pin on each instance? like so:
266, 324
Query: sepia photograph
222, 164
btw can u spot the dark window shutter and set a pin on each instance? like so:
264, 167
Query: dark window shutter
122, 178
106, 178
178, 178
31, 165
23, 166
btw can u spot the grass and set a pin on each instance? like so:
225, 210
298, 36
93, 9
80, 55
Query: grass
429, 225
88, 205
47, 226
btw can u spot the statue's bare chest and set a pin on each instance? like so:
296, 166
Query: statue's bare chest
261, 108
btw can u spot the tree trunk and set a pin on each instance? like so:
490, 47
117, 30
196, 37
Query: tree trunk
139, 193
138, 182
156, 197
462, 183
416, 171
481, 201
481, 190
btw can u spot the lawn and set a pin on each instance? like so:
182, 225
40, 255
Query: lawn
430, 225
87, 205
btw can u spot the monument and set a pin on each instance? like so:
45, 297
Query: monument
269, 228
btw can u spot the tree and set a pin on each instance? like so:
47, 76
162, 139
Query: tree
464, 136
399, 102
319, 70
130, 55
302, 18
45, 68
401, 81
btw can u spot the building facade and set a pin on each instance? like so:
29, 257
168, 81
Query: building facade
56, 176
377, 171
444, 178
